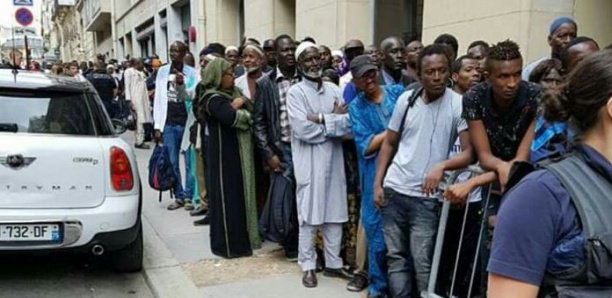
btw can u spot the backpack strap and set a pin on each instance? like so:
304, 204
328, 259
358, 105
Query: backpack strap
411, 100
588, 190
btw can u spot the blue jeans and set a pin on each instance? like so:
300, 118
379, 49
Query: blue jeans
410, 225
172, 138
189, 190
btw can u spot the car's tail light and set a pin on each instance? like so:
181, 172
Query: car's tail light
121, 171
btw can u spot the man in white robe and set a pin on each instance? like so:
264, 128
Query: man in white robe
136, 93
318, 119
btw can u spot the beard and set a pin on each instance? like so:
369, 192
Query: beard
313, 74
252, 69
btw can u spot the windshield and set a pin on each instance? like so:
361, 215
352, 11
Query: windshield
45, 113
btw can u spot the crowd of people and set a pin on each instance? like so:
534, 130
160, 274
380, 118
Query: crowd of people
338, 155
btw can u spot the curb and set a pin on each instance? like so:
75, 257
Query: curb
162, 272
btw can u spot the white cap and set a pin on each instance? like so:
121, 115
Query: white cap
337, 53
254, 48
302, 47
230, 48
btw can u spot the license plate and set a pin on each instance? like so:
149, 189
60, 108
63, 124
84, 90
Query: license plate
29, 232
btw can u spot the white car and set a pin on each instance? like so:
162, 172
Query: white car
67, 180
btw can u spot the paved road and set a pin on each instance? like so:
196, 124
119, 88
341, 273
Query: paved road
66, 275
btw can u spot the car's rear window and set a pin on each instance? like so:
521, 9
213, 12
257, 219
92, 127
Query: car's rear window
45, 113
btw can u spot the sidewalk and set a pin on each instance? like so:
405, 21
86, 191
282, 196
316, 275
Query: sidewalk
179, 263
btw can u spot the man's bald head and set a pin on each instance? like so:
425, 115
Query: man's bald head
391, 42
178, 49
181, 46
395, 54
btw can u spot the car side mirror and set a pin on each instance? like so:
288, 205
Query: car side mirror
119, 125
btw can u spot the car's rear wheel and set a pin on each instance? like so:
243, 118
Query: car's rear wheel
129, 258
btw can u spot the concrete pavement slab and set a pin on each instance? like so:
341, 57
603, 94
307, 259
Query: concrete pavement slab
190, 247
156, 255
163, 273
281, 286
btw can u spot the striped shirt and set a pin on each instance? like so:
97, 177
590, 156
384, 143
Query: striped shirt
284, 83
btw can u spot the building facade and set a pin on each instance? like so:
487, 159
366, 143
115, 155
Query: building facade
141, 28
64, 32
526, 22
96, 19
147, 27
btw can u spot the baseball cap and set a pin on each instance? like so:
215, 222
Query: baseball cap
360, 65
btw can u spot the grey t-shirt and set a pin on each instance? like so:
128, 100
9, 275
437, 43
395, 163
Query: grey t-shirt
430, 131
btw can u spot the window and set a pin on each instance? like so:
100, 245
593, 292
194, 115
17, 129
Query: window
144, 47
185, 18
101, 122
45, 112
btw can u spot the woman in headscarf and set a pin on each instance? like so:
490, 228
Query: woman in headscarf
230, 176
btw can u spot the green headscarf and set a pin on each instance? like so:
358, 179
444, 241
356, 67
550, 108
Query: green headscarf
212, 75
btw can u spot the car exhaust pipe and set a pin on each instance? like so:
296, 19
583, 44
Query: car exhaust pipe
97, 250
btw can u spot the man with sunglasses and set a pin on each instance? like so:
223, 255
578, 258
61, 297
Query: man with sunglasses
370, 112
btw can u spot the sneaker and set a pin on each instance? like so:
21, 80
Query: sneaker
188, 205
199, 211
358, 283
338, 273
175, 205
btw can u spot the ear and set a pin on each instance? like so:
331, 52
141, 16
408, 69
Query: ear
550, 38
485, 74
609, 107
454, 77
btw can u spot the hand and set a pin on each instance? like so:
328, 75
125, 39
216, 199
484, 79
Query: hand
503, 173
458, 193
275, 164
432, 180
340, 108
313, 118
379, 197
238, 102
157, 136
179, 79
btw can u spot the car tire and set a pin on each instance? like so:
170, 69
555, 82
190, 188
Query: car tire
129, 258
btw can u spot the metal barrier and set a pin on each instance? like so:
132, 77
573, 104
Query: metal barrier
450, 180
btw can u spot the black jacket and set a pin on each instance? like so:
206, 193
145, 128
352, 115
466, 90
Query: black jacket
267, 118
267, 126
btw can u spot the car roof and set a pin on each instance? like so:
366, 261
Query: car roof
25, 79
